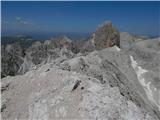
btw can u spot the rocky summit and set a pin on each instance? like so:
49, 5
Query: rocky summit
106, 36
111, 76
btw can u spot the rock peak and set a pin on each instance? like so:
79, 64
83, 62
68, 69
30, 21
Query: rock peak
106, 36
106, 23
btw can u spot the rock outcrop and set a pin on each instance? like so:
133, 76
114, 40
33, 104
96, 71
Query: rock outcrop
17, 60
11, 58
106, 36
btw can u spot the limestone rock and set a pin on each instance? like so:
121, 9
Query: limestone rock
109, 89
106, 36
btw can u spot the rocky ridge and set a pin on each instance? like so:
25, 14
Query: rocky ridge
109, 89
62, 81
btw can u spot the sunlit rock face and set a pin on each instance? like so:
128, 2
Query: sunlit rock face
106, 36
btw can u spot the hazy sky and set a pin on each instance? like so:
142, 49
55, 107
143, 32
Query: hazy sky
133, 17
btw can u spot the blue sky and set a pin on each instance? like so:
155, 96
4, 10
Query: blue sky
133, 17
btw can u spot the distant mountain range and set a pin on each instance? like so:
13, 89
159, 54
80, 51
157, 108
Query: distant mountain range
48, 35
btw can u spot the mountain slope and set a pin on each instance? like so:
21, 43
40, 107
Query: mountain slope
96, 86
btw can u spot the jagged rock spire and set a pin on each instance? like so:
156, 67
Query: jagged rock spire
106, 36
